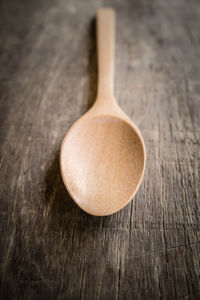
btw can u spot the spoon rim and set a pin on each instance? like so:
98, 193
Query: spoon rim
135, 128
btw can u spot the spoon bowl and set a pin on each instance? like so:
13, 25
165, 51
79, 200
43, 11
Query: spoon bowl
102, 163
102, 156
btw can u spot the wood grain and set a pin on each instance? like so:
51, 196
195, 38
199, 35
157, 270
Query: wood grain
49, 248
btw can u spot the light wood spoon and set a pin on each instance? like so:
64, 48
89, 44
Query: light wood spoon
102, 156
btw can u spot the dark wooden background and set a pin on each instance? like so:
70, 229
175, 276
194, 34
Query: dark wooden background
49, 248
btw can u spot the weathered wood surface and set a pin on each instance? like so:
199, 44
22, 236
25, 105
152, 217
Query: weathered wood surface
49, 248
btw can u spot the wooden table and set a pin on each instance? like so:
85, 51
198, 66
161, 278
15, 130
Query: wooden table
49, 248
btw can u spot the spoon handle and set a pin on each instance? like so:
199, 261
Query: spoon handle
106, 45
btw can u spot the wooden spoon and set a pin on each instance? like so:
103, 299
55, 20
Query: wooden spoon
102, 156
